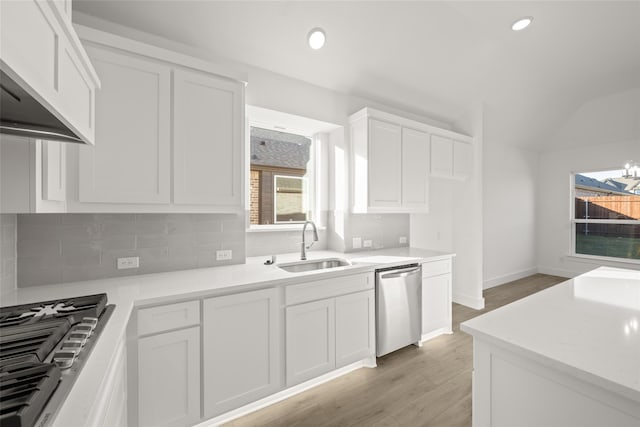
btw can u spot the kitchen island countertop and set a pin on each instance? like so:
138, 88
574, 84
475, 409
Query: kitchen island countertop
587, 327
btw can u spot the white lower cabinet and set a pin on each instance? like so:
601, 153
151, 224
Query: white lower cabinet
241, 349
311, 340
328, 334
115, 414
169, 378
355, 327
436, 298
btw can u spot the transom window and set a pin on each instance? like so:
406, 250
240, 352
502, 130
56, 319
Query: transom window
606, 214
280, 172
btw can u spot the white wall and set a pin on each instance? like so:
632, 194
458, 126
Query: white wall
454, 222
603, 134
509, 191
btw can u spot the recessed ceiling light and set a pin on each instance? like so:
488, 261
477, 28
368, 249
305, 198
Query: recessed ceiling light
316, 38
521, 23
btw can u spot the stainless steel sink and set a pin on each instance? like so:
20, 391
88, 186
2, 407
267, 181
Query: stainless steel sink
313, 264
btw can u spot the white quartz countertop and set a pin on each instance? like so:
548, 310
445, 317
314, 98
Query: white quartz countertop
131, 291
588, 326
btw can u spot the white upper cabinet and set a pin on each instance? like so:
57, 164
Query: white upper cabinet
390, 163
451, 158
385, 165
33, 175
130, 161
169, 133
207, 139
40, 50
415, 173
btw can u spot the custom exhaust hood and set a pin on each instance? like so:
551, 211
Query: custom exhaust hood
23, 115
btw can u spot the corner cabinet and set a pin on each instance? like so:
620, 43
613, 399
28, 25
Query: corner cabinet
391, 161
168, 365
169, 133
241, 349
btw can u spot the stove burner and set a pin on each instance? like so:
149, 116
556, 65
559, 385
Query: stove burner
49, 309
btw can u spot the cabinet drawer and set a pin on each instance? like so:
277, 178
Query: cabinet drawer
434, 268
327, 288
166, 317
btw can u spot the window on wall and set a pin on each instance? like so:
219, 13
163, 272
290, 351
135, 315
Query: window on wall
280, 171
606, 214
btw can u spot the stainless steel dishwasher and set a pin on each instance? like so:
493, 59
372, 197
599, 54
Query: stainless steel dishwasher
398, 307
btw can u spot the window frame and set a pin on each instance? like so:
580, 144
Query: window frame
310, 176
574, 221
306, 190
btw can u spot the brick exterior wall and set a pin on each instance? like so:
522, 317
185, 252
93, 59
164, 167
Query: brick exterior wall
254, 212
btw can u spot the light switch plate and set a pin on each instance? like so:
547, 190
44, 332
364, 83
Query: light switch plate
224, 255
403, 240
356, 243
129, 262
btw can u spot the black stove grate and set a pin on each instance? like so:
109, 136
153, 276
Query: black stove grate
38, 339
24, 389
76, 308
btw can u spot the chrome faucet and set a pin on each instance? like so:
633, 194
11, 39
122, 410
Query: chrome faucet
303, 245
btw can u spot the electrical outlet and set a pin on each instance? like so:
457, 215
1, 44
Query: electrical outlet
356, 243
403, 240
367, 243
129, 262
224, 255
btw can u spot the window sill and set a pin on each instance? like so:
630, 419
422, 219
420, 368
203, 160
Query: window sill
278, 227
593, 259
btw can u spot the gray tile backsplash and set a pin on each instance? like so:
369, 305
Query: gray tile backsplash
384, 230
8, 227
58, 248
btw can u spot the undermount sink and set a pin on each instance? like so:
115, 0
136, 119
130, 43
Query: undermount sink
313, 264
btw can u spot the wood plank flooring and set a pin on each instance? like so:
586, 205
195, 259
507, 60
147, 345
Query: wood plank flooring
428, 386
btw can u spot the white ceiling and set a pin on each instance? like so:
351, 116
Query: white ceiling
421, 54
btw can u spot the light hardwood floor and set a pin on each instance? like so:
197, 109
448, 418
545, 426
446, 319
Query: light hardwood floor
427, 386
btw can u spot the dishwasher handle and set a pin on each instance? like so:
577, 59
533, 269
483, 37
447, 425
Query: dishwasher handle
405, 272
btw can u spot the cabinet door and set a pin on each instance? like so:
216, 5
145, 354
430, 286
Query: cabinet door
310, 340
462, 160
169, 378
415, 170
207, 137
130, 161
241, 349
385, 164
355, 327
441, 156
436, 303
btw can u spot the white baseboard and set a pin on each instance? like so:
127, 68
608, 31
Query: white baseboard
433, 334
287, 393
558, 272
472, 302
501, 280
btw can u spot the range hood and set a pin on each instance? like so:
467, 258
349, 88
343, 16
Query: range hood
21, 114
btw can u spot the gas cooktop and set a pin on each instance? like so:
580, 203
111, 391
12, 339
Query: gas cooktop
43, 346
